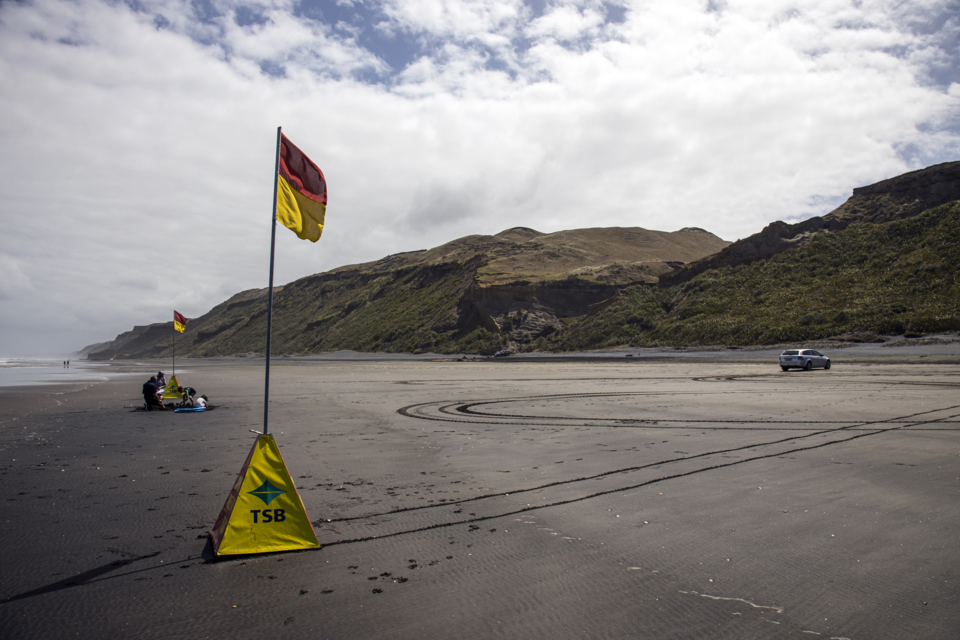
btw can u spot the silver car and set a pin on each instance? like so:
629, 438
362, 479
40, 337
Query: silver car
803, 359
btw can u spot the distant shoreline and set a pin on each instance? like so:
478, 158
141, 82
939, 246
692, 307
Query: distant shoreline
45, 371
941, 348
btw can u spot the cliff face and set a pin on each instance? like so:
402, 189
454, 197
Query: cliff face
522, 312
897, 198
903, 196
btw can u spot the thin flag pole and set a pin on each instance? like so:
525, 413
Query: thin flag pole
273, 241
172, 375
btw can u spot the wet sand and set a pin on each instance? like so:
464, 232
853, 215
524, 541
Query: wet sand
620, 498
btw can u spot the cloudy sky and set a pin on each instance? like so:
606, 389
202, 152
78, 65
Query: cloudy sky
137, 138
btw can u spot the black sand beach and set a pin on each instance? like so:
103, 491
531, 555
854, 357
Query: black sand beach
620, 498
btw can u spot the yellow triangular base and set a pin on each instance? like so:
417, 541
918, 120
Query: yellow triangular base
264, 512
172, 390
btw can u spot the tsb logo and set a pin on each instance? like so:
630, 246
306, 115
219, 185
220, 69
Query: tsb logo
268, 515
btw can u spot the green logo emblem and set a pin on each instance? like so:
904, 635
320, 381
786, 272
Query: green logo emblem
267, 492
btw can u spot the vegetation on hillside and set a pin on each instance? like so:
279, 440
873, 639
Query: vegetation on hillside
413, 309
901, 276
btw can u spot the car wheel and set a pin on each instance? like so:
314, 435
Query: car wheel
827, 366
785, 368
808, 366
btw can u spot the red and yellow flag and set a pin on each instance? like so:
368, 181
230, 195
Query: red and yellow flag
301, 192
179, 322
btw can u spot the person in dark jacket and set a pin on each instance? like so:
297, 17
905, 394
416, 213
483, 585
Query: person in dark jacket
150, 397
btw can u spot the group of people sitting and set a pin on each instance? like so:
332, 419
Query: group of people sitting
155, 387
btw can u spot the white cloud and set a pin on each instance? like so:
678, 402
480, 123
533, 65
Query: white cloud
461, 19
282, 39
137, 153
566, 22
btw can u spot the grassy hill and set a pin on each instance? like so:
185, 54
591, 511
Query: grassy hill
609, 255
886, 261
410, 309
475, 294
895, 277
896, 198
612, 255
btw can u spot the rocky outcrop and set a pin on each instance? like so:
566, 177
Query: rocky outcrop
523, 311
901, 197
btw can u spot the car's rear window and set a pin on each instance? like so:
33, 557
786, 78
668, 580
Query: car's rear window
790, 353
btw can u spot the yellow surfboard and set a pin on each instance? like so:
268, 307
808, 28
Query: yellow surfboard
264, 512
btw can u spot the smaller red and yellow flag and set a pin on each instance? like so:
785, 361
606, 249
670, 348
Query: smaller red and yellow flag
179, 322
301, 192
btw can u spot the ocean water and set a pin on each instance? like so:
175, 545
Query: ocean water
18, 372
